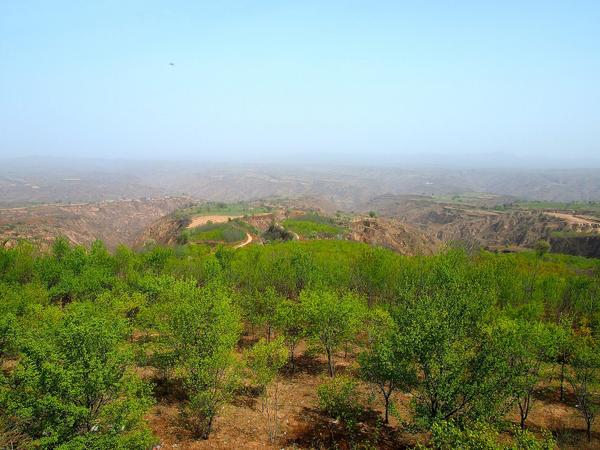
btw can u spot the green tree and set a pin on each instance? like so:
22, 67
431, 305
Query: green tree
563, 350
331, 320
266, 359
261, 309
541, 248
386, 362
585, 378
447, 326
527, 346
289, 321
203, 328
72, 387
339, 397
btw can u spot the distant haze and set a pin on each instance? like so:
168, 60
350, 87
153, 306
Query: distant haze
404, 84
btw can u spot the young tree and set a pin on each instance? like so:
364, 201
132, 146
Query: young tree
203, 328
261, 309
584, 378
527, 346
266, 359
289, 321
448, 335
386, 363
331, 319
340, 398
563, 349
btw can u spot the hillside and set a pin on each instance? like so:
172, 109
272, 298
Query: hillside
114, 222
409, 225
339, 187
492, 222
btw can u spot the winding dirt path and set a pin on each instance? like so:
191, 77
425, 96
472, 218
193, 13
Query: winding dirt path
246, 242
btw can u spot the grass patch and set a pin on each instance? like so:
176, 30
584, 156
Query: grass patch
313, 225
214, 232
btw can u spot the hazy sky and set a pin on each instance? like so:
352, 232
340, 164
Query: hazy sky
343, 80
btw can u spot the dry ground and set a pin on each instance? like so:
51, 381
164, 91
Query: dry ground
243, 425
576, 219
203, 220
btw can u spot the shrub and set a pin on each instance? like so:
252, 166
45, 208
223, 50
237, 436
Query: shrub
340, 399
448, 435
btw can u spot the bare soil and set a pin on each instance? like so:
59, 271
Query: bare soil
576, 219
243, 425
203, 220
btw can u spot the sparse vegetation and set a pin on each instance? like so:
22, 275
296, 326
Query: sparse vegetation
579, 207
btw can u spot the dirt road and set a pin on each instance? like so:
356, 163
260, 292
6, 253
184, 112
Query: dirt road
246, 242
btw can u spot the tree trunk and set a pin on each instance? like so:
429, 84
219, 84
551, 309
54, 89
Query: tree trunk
208, 428
524, 409
562, 380
589, 429
330, 363
387, 408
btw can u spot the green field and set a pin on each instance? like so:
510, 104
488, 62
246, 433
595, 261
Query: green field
313, 225
215, 232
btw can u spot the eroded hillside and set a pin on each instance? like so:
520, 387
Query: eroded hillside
114, 222
487, 222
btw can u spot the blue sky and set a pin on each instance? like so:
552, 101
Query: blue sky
340, 81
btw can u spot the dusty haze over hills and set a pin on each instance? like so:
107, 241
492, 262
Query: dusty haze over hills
44, 180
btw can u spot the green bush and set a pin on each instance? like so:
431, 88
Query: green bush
340, 399
448, 435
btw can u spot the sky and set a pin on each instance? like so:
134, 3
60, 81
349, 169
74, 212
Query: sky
338, 81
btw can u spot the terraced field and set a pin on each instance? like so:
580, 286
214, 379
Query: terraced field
313, 225
227, 232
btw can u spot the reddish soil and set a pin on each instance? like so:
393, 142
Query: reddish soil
242, 424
